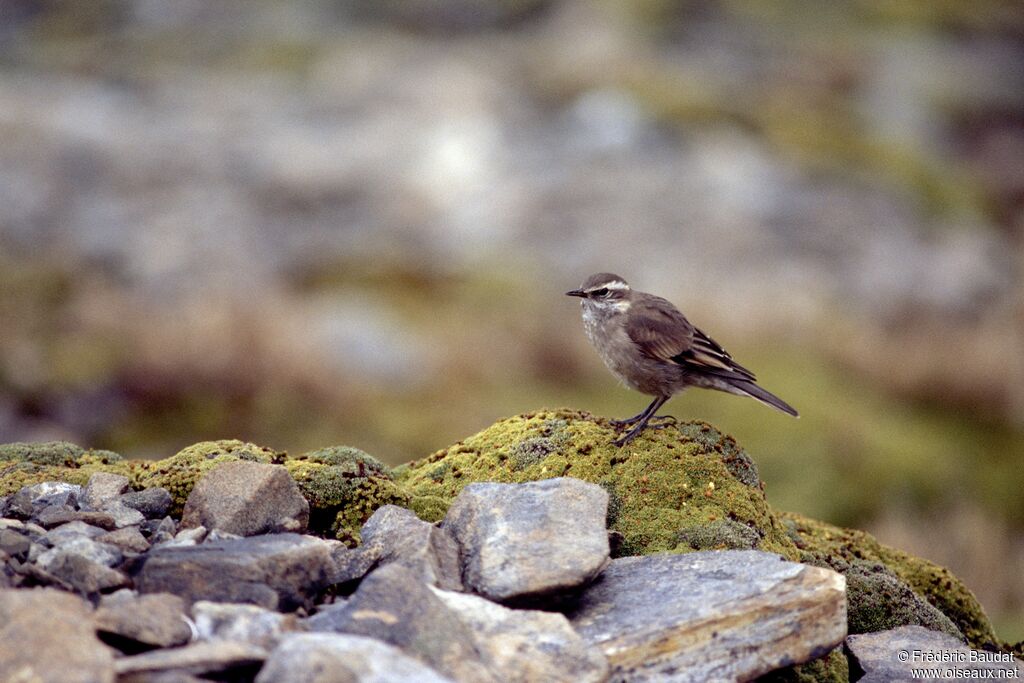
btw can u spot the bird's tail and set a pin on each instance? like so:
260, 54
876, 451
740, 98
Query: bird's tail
766, 397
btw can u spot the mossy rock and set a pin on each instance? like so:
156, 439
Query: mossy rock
180, 472
24, 464
687, 488
834, 667
827, 545
344, 486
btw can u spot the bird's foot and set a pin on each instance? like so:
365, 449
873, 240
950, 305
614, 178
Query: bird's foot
662, 422
619, 424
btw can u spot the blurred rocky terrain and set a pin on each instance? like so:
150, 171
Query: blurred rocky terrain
323, 222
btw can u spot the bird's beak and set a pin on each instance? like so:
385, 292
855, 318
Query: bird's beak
576, 292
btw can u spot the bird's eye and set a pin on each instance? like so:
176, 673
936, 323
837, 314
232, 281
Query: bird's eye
600, 292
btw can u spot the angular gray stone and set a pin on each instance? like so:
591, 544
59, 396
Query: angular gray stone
527, 645
893, 655
187, 537
46, 636
427, 550
152, 503
352, 564
248, 623
55, 515
84, 565
101, 488
336, 658
30, 500
107, 555
393, 605
195, 659
128, 539
716, 615
328, 617
526, 540
122, 514
14, 544
278, 571
159, 531
72, 530
247, 498
157, 620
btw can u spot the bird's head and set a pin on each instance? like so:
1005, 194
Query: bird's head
603, 291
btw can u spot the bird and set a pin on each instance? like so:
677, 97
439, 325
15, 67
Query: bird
652, 348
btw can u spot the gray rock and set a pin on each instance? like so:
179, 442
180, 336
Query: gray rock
336, 658
247, 498
30, 500
128, 539
716, 615
892, 655
47, 636
394, 606
527, 540
249, 623
328, 617
427, 550
187, 537
157, 620
352, 564
71, 531
55, 515
84, 565
153, 503
107, 555
122, 514
280, 571
159, 531
101, 488
527, 645
196, 659
14, 544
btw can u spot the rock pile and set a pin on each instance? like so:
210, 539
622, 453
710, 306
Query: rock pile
514, 582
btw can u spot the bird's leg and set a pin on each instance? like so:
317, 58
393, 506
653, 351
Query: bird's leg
635, 431
644, 414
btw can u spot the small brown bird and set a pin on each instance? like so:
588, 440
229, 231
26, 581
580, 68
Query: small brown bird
651, 347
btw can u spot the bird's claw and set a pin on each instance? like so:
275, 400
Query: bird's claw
662, 422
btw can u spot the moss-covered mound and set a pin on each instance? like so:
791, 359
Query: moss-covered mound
689, 488
24, 464
343, 485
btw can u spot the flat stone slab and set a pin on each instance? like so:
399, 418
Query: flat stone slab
527, 540
915, 653
156, 620
277, 571
522, 646
308, 657
718, 615
196, 659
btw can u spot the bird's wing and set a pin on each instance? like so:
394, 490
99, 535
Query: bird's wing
663, 333
658, 328
708, 356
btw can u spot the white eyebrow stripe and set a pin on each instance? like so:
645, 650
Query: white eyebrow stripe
615, 284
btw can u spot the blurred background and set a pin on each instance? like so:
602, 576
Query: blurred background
310, 223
